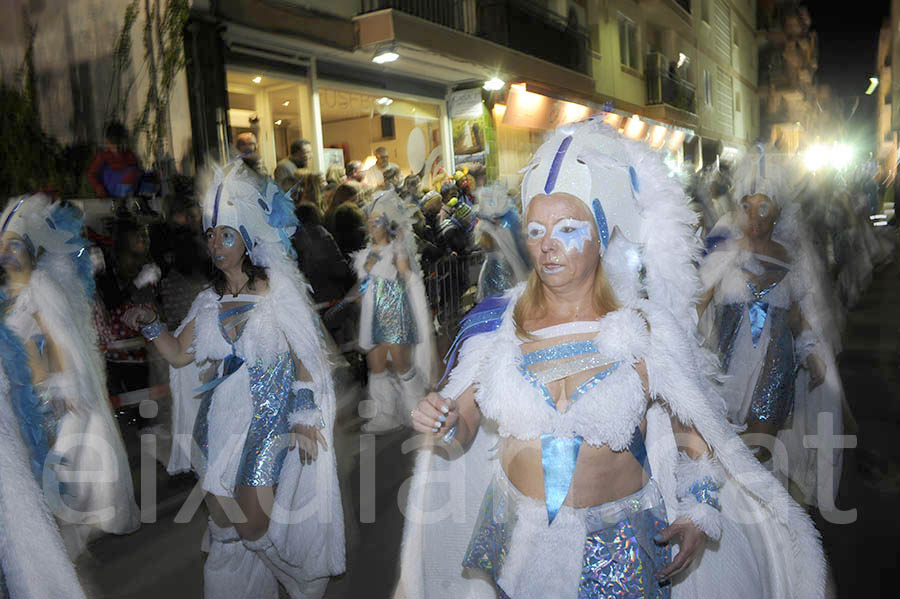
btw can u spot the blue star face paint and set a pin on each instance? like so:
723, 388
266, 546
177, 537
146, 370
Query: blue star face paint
572, 234
229, 238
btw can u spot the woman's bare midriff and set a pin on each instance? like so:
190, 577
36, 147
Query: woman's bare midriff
601, 475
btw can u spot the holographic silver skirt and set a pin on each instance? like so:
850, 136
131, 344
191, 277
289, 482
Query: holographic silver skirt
619, 558
392, 316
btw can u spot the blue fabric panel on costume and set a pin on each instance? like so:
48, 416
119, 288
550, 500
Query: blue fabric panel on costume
304, 399
34, 416
230, 365
638, 449
215, 214
728, 322
392, 315
558, 457
556, 164
592, 382
557, 352
483, 318
267, 438
758, 311
773, 395
621, 561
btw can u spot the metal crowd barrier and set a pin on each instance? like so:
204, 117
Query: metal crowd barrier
450, 284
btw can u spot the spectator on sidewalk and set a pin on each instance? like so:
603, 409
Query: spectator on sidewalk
286, 170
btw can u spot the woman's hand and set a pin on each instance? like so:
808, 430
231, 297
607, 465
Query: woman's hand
690, 544
307, 439
137, 317
435, 415
817, 370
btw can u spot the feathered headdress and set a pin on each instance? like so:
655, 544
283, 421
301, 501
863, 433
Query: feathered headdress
393, 211
643, 217
498, 216
252, 205
50, 227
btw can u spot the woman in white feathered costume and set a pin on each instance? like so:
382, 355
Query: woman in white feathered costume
50, 288
499, 233
32, 556
275, 513
766, 315
394, 321
580, 402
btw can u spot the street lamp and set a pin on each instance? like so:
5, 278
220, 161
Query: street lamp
873, 85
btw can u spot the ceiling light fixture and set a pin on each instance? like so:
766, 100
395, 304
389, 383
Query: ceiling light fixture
384, 101
385, 54
873, 85
286, 103
257, 79
494, 84
278, 122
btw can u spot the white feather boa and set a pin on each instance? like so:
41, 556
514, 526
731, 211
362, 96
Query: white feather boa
35, 563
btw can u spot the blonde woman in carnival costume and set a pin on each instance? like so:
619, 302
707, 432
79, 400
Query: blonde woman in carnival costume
32, 556
50, 286
258, 431
499, 233
395, 322
578, 415
765, 312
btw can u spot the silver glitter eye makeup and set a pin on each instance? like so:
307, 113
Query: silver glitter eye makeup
229, 238
764, 210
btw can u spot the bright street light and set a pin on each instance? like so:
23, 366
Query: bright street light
873, 85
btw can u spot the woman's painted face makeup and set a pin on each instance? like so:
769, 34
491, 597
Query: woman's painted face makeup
572, 234
229, 238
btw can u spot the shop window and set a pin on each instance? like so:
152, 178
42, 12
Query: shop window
277, 110
357, 122
628, 43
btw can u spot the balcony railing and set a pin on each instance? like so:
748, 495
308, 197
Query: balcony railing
665, 87
517, 24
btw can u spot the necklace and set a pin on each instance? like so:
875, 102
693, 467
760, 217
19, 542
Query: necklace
242, 287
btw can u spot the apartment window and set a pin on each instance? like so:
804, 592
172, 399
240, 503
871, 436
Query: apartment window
628, 43
707, 88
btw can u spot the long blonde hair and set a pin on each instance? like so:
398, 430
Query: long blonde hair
531, 305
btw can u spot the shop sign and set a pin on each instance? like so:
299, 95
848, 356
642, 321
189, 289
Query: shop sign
537, 111
465, 104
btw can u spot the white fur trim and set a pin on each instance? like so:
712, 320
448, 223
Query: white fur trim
704, 516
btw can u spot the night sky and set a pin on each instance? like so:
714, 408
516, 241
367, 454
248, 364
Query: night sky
848, 42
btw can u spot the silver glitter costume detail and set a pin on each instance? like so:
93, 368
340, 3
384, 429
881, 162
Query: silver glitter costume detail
495, 277
267, 438
620, 558
773, 396
392, 316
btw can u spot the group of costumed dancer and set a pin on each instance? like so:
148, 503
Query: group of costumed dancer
585, 441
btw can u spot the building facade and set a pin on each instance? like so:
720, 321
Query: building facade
679, 74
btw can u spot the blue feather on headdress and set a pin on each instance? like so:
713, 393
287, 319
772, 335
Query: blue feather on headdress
280, 215
66, 217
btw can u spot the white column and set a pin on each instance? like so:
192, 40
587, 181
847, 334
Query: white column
447, 138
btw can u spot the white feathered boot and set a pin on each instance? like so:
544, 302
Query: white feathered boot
232, 571
381, 406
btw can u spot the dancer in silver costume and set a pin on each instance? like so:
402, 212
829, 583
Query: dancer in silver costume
395, 323
257, 423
